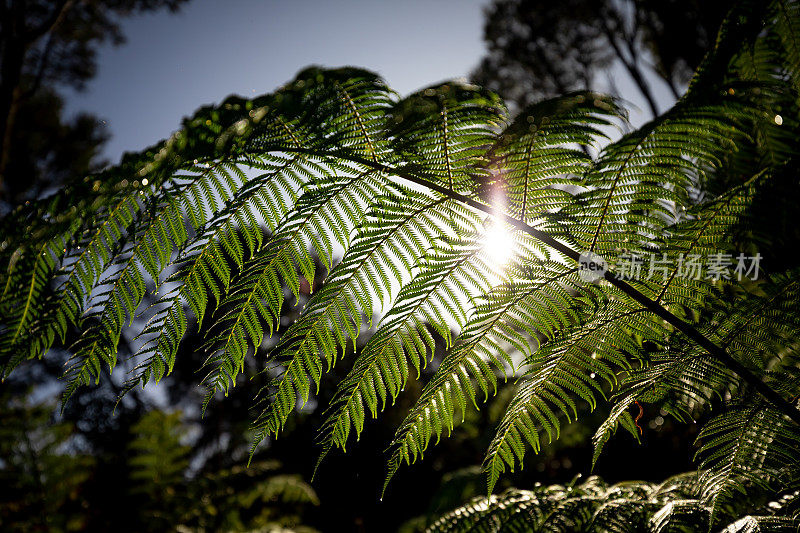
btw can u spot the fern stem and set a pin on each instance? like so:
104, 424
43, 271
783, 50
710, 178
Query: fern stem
690, 331
654, 307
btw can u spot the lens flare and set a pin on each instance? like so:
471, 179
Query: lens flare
499, 242
498, 246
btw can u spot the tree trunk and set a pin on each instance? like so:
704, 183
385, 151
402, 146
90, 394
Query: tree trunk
17, 39
10, 92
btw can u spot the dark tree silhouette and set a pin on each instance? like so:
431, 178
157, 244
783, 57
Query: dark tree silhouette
48, 148
45, 44
539, 48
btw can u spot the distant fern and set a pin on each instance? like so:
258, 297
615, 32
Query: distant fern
405, 191
674, 505
238, 498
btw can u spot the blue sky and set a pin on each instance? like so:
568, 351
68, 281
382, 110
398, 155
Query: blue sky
173, 64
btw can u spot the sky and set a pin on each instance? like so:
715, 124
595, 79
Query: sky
172, 64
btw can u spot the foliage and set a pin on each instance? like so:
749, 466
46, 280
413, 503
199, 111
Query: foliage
337, 162
230, 499
48, 476
674, 505
41, 479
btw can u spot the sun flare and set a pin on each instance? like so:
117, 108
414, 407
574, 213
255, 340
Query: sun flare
499, 246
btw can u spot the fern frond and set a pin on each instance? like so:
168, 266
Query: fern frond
545, 148
395, 231
590, 506
640, 183
335, 164
574, 366
535, 307
381, 370
202, 263
444, 131
747, 446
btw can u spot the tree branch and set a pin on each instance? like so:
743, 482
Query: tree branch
43, 61
50, 22
630, 65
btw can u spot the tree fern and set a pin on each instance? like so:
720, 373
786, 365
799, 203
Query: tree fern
210, 225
